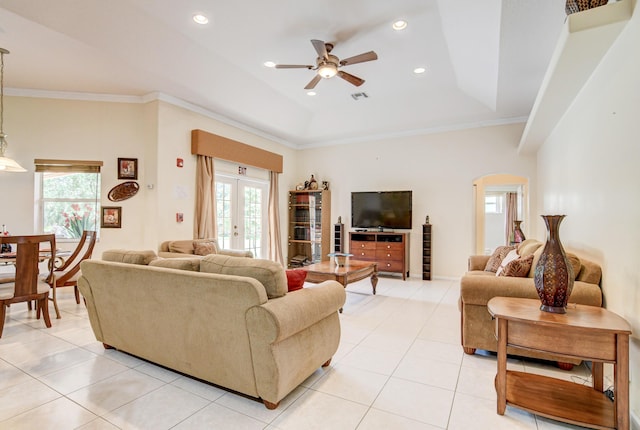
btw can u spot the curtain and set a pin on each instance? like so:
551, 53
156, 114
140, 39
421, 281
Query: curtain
205, 222
275, 243
511, 215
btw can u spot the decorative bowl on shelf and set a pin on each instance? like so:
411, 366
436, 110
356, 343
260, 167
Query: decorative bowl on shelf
340, 258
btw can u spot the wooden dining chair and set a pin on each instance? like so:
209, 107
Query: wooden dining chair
67, 275
26, 284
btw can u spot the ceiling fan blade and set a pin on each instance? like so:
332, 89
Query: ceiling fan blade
312, 84
320, 48
367, 56
350, 78
293, 66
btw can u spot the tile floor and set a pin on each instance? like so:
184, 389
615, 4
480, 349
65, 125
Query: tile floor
399, 366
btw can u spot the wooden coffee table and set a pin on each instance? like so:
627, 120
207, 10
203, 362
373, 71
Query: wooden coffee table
352, 271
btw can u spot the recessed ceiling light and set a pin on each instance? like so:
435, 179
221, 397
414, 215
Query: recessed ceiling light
419, 70
269, 64
399, 25
200, 19
311, 93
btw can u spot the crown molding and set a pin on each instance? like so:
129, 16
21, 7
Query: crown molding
420, 132
147, 98
166, 98
69, 95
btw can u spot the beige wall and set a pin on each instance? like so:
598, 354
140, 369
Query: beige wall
588, 170
438, 168
66, 129
156, 133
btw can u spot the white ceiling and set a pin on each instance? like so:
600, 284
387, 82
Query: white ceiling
485, 59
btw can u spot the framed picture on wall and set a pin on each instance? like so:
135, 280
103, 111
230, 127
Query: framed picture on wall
111, 217
127, 168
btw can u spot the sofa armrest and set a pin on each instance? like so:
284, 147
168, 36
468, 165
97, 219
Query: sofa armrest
478, 290
285, 316
478, 262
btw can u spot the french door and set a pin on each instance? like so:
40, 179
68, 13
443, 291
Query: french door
241, 214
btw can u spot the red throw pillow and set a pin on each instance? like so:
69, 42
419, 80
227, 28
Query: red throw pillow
295, 279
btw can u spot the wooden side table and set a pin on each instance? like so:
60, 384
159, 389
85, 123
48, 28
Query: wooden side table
585, 332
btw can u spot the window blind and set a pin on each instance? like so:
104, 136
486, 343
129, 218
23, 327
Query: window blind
81, 166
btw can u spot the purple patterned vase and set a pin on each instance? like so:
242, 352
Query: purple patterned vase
518, 235
553, 276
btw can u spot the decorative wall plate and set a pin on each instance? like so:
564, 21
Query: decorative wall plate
123, 191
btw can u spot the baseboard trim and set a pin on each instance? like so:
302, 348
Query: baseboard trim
635, 421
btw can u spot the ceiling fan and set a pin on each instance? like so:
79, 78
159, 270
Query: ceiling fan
329, 65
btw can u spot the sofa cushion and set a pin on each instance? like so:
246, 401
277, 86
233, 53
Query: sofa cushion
496, 258
590, 272
192, 264
270, 274
181, 246
511, 256
205, 248
534, 263
528, 247
575, 263
519, 267
130, 257
295, 279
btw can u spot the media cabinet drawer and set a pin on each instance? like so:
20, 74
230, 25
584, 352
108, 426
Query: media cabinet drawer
391, 246
390, 266
392, 255
363, 254
356, 246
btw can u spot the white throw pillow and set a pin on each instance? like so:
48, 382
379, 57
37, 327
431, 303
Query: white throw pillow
512, 255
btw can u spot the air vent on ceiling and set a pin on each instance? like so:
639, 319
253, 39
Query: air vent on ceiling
360, 96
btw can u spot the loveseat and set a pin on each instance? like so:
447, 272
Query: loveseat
478, 286
223, 319
196, 247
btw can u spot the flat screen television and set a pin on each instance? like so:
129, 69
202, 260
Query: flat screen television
381, 209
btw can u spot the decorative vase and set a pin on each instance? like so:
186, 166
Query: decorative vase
313, 184
553, 276
518, 235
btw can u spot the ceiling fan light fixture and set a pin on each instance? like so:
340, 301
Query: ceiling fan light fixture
419, 70
311, 93
270, 64
327, 70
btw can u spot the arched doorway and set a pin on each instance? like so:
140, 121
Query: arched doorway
489, 208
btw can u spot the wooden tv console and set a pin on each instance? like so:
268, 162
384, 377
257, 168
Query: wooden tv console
389, 250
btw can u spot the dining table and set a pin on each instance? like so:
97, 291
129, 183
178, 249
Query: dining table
57, 258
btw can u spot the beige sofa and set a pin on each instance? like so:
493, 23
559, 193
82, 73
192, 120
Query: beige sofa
478, 286
222, 319
188, 247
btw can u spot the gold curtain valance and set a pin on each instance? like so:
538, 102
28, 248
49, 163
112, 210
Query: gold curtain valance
80, 166
212, 145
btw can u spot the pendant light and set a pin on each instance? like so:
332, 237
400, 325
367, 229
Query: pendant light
6, 164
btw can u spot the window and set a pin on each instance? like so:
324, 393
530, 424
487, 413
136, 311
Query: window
68, 195
493, 203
